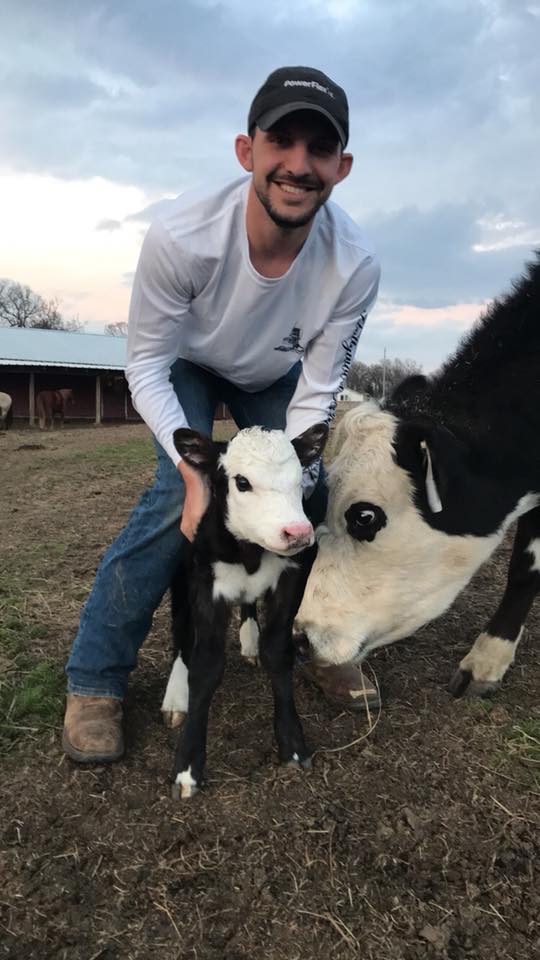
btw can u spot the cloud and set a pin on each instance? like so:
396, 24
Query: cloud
153, 95
444, 107
435, 258
109, 225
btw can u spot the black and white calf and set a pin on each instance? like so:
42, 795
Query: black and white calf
245, 548
421, 493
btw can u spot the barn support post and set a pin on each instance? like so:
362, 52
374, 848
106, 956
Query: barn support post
31, 399
98, 399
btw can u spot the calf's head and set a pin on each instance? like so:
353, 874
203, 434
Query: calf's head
256, 480
403, 534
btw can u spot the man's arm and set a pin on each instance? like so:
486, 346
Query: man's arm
159, 302
328, 357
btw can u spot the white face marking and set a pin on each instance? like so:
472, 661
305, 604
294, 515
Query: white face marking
176, 694
234, 583
363, 595
249, 638
267, 459
489, 658
534, 549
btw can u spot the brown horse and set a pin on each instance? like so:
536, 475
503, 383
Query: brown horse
51, 404
6, 411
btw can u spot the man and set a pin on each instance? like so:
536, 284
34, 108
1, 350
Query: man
253, 294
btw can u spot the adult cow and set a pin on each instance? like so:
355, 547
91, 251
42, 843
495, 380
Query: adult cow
6, 411
422, 492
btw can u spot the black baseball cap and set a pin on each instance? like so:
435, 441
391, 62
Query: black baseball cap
300, 88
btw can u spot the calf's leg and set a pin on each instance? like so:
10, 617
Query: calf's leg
175, 702
480, 673
277, 658
206, 665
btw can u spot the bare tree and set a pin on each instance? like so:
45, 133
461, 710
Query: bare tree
20, 306
368, 378
117, 329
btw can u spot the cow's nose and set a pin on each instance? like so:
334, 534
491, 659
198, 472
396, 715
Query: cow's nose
299, 534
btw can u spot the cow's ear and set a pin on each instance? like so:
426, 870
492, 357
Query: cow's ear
198, 451
432, 453
310, 444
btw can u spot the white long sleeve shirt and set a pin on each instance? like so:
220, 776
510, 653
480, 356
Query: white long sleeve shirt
196, 295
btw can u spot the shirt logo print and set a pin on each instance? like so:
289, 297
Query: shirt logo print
292, 342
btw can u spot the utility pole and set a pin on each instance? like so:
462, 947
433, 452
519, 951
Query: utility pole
384, 376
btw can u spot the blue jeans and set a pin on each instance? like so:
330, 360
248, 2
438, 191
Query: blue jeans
139, 566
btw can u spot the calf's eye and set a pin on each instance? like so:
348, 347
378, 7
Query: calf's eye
364, 520
242, 483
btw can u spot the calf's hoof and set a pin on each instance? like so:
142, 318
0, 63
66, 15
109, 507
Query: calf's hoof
173, 718
300, 759
252, 661
184, 786
300, 763
463, 684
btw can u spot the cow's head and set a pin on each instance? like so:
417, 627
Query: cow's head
257, 479
405, 531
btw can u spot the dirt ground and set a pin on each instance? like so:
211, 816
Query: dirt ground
416, 835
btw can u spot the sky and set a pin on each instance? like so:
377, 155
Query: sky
108, 108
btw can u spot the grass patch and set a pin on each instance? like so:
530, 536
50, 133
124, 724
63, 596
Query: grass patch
37, 697
524, 743
31, 692
478, 707
132, 452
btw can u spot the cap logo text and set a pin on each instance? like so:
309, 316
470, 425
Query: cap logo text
308, 83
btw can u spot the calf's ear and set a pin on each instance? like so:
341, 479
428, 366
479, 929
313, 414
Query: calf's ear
310, 444
410, 388
198, 451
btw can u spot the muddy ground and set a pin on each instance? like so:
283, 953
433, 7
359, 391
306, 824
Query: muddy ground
415, 836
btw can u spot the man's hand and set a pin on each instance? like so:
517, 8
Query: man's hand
196, 501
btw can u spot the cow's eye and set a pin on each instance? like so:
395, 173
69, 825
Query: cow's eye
242, 483
364, 520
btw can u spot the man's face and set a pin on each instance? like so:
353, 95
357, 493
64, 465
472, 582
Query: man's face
295, 166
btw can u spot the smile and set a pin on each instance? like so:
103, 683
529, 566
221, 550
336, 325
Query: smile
295, 191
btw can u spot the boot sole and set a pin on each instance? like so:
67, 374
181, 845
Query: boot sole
354, 704
81, 757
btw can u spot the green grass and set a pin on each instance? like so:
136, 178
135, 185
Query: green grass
477, 707
131, 452
524, 742
31, 690
36, 698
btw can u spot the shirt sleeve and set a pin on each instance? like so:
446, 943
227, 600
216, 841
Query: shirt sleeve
159, 303
329, 355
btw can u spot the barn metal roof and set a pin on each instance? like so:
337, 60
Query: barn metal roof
55, 348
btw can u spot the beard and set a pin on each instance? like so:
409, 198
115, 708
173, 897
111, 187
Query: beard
282, 220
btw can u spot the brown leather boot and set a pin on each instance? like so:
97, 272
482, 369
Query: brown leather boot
93, 729
345, 685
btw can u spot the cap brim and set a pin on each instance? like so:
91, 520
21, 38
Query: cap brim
268, 119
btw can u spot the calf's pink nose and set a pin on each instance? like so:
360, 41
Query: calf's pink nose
298, 534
